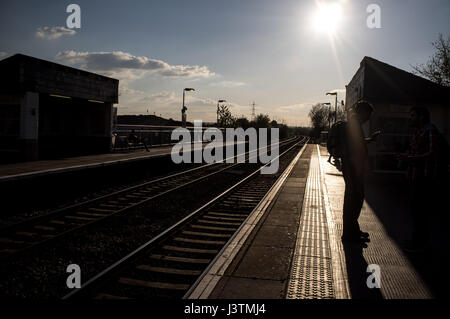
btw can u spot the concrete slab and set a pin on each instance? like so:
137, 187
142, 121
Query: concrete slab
294, 190
276, 236
265, 263
282, 218
242, 288
293, 207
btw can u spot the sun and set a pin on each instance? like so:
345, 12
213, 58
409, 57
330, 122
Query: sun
327, 18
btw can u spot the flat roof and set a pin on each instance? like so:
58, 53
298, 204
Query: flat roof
20, 73
384, 82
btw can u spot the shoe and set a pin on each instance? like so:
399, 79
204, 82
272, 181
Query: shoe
364, 234
355, 238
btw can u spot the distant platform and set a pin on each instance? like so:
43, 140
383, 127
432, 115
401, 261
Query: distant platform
23, 170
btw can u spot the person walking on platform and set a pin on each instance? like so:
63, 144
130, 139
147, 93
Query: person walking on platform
132, 138
135, 140
354, 168
427, 174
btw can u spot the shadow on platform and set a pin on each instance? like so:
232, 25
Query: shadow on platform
357, 272
388, 197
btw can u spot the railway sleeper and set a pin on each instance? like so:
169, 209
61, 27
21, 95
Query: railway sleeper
166, 270
190, 250
181, 259
226, 229
204, 234
199, 241
228, 214
204, 221
152, 284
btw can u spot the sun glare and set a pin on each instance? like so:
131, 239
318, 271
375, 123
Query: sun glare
327, 18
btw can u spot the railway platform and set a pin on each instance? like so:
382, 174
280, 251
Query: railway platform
291, 247
24, 170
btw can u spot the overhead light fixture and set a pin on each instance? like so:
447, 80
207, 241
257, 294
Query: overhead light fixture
60, 96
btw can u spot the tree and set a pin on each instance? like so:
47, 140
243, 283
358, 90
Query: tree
283, 131
341, 113
225, 117
437, 69
305, 131
242, 122
319, 116
261, 121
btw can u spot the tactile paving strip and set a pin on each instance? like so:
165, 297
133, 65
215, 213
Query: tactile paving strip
311, 274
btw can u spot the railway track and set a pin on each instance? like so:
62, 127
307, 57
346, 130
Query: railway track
170, 263
42, 230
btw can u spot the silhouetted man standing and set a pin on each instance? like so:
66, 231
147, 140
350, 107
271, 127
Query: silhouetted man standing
354, 168
427, 175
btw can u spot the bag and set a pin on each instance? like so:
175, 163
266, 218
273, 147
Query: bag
336, 142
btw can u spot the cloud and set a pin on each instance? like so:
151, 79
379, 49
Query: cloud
51, 33
3, 54
227, 84
128, 91
126, 65
164, 98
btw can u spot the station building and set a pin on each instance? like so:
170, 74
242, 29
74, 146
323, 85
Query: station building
49, 110
393, 92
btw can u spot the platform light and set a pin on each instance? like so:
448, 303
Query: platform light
329, 112
335, 105
184, 108
60, 96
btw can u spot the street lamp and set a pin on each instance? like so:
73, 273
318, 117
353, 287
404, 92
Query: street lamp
184, 108
335, 105
218, 102
329, 111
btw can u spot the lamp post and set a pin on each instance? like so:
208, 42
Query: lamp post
218, 102
184, 108
329, 111
335, 105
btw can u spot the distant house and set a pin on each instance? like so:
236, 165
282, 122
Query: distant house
393, 92
48, 109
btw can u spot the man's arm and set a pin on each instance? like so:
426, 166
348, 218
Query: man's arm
373, 137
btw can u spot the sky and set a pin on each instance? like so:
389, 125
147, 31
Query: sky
284, 55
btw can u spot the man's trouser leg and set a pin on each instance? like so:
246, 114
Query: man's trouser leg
422, 205
353, 202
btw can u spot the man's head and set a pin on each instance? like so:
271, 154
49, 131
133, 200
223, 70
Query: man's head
363, 110
419, 116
